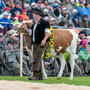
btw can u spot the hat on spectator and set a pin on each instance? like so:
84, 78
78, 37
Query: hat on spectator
37, 11
46, 10
26, 5
7, 8
74, 10
64, 8
1, 35
24, 10
52, 19
5, 13
33, 3
9, 42
85, 15
18, 3
20, 17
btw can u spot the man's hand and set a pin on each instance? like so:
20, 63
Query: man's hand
43, 42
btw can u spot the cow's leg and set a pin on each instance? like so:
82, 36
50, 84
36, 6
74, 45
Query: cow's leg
43, 70
72, 63
63, 62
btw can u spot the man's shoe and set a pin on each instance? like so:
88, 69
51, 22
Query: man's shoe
32, 78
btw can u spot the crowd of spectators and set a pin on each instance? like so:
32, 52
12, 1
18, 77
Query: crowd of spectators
66, 13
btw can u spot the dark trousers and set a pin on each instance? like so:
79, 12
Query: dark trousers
37, 65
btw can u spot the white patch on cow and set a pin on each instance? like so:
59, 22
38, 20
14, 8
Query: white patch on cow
59, 48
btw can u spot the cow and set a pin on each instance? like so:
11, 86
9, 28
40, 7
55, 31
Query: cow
65, 41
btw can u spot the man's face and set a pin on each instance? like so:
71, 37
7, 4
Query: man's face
18, 6
81, 4
35, 16
85, 18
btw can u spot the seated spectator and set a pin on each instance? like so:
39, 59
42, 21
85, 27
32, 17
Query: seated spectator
20, 18
84, 56
88, 10
83, 37
84, 23
75, 21
17, 14
7, 23
73, 14
13, 19
81, 10
16, 8
24, 15
7, 9
11, 66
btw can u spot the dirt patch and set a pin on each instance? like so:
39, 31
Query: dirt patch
20, 85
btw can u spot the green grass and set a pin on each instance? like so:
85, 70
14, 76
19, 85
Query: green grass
52, 80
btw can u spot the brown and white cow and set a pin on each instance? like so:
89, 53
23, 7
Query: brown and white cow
65, 41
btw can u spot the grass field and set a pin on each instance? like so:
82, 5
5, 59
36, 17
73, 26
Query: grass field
52, 80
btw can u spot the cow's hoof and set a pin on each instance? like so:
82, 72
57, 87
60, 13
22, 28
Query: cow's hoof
58, 78
70, 79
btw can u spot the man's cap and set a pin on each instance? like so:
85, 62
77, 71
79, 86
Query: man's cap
7, 8
24, 10
1, 35
5, 13
9, 42
37, 11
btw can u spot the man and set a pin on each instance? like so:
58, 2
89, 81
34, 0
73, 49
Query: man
84, 23
40, 37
